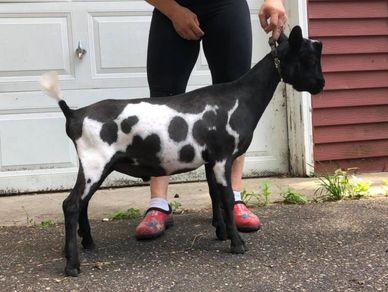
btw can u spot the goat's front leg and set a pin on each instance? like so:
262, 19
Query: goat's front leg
222, 174
218, 221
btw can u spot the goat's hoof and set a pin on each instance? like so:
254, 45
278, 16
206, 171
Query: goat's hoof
245, 247
88, 244
72, 272
238, 249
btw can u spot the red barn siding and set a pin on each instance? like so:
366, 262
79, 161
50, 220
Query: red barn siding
350, 118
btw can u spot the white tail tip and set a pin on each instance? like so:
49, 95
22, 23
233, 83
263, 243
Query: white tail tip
50, 85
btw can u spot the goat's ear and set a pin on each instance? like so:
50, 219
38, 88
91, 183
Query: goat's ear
282, 38
296, 38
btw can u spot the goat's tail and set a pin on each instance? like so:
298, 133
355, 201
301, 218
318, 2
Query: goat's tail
50, 85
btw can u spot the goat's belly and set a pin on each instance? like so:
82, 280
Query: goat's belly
166, 165
181, 158
141, 171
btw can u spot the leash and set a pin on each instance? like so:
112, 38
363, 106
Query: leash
275, 56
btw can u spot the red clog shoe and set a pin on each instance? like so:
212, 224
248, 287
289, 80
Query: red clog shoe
154, 223
245, 220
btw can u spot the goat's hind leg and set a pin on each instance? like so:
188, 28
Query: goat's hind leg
71, 207
84, 226
75, 208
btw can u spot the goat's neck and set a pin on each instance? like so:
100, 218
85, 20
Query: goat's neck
259, 85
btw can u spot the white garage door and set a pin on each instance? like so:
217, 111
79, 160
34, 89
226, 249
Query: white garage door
35, 153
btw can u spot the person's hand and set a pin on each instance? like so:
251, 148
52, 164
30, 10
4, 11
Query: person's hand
273, 17
186, 24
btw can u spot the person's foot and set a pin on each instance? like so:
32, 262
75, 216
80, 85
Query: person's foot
154, 223
245, 220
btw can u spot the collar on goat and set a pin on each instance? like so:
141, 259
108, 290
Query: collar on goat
275, 56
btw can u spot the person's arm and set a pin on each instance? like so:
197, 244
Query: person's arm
273, 17
185, 22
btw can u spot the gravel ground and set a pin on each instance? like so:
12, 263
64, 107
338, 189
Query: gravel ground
340, 246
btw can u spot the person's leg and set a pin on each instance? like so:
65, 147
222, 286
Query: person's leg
227, 45
237, 170
170, 60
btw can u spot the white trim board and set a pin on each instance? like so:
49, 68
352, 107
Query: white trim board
299, 119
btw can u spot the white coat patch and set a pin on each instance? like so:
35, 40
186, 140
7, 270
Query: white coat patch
93, 152
229, 129
219, 172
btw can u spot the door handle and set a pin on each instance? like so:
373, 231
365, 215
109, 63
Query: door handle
79, 51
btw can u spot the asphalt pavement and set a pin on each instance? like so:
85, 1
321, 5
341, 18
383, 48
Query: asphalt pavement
336, 246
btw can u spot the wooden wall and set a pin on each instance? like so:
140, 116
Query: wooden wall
350, 118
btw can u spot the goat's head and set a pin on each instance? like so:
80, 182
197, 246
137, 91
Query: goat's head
300, 62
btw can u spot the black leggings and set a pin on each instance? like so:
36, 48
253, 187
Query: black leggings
227, 45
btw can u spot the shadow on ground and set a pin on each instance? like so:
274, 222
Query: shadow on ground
341, 246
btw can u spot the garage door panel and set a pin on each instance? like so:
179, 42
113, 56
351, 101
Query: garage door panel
33, 44
119, 43
31, 141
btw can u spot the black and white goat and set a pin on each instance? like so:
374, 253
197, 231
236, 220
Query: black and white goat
164, 136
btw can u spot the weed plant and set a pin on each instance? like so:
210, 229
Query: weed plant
265, 192
247, 197
257, 199
131, 213
45, 223
333, 187
176, 207
337, 186
292, 197
358, 188
385, 187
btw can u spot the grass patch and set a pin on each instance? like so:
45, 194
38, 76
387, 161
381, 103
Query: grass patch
340, 185
176, 207
358, 188
265, 192
45, 223
385, 187
292, 197
332, 187
247, 196
257, 199
131, 213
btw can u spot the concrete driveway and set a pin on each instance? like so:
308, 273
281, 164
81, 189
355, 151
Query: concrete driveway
24, 209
